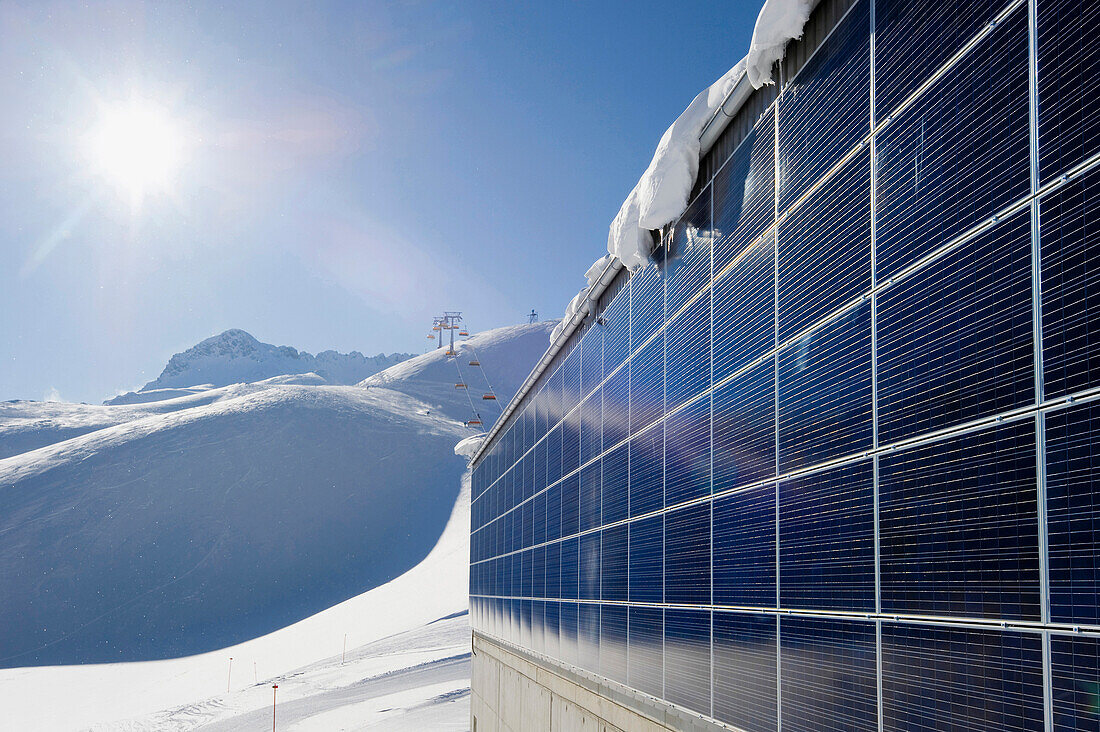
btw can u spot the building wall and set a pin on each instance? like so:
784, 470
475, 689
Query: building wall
830, 461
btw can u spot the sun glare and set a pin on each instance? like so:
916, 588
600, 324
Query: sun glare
137, 147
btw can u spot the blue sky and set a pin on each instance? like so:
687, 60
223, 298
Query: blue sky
351, 169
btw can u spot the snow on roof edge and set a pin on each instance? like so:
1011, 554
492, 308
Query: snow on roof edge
661, 194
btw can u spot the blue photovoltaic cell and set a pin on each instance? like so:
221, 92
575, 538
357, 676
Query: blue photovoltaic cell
687, 453
687, 555
571, 505
958, 530
567, 632
553, 455
687, 267
744, 428
551, 629
828, 671
616, 408
538, 642
645, 644
687, 354
590, 496
647, 385
1075, 681
613, 629
553, 513
591, 426
589, 566
571, 381
1070, 236
571, 442
745, 674
744, 308
616, 333
1073, 514
913, 39
826, 110
552, 586
744, 193
591, 348
825, 392
959, 155
744, 548
687, 659
570, 568
825, 249
647, 304
538, 567
647, 560
940, 678
827, 539
588, 636
525, 622
614, 565
614, 490
647, 463
1069, 68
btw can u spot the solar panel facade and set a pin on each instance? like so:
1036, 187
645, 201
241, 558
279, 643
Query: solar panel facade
828, 462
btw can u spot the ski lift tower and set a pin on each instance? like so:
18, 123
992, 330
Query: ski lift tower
449, 321
532, 316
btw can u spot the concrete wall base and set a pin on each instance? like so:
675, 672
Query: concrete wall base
517, 691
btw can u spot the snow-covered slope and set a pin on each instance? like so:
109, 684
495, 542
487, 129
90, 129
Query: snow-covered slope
407, 651
188, 530
235, 356
506, 356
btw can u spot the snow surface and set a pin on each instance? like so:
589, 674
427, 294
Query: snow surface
468, 448
181, 531
389, 628
236, 357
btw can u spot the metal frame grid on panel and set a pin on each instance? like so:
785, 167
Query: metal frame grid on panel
498, 555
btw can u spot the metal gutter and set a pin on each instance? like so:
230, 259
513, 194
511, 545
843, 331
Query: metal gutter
710, 134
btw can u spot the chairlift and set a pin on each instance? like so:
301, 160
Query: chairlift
475, 363
463, 332
473, 422
431, 336
489, 397
451, 353
460, 386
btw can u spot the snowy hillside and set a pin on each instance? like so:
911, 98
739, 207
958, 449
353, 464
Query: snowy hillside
506, 356
210, 519
406, 667
235, 357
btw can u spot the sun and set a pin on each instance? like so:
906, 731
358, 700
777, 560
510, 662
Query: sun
136, 146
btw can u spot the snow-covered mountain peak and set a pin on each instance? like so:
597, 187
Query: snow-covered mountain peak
235, 356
